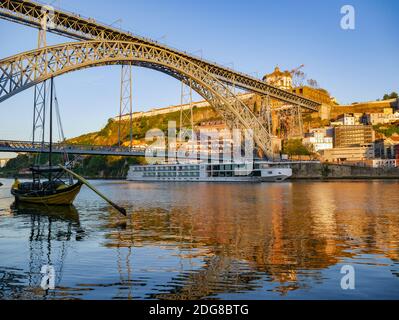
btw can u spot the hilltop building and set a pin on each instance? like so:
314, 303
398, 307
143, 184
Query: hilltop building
319, 95
353, 155
386, 117
346, 120
353, 144
353, 136
320, 139
279, 79
387, 148
366, 107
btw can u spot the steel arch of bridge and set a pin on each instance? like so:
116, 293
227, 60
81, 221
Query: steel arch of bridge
24, 70
75, 26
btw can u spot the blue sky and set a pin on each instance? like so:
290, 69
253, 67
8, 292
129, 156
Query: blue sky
252, 36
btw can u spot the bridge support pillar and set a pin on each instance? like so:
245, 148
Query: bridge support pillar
126, 105
39, 103
290, 122
265, 117
186, 111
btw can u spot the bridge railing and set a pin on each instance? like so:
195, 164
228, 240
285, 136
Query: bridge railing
195, 154
18, 145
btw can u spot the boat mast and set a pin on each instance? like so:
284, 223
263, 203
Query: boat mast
50, 161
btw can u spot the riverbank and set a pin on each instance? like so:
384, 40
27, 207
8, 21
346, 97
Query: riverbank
320, 171
301, 171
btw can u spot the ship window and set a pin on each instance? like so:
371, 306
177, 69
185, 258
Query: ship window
270, 172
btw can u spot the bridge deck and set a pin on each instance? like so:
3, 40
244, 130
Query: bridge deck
29, 147
61, 148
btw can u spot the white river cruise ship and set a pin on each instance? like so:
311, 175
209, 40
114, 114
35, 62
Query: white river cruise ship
211, 172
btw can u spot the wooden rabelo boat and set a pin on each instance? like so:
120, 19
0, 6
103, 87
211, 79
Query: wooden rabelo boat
47, 186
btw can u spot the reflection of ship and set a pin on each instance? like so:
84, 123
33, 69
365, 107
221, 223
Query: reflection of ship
220, 172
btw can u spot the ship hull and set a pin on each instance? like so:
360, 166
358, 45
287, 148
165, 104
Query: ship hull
220, 172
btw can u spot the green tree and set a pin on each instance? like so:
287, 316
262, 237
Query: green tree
295, 147
392, 95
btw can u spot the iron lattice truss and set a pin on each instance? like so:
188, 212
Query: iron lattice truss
79, 28
290, 121
22, 71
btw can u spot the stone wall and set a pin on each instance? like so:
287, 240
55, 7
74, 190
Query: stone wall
331, 171
365, 107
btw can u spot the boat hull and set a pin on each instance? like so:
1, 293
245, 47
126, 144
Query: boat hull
63, 197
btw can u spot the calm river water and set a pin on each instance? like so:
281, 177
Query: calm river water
215, 241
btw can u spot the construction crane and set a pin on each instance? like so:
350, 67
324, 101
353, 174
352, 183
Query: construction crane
295, 71
298, 76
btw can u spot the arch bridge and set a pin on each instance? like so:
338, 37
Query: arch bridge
104, 45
